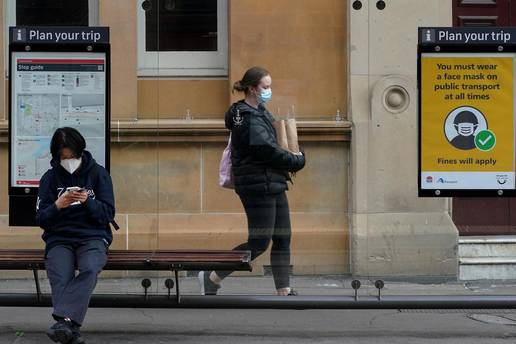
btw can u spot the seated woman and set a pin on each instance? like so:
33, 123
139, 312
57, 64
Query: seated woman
75, 206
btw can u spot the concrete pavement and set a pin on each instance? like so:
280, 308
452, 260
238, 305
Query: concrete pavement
27, 325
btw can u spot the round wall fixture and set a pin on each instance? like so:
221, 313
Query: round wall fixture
380, 5
357, 4
396, 99
146, 5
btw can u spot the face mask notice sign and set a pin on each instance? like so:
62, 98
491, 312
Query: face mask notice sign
466, 113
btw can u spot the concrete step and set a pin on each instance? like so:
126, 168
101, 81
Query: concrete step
487, 246
487, 268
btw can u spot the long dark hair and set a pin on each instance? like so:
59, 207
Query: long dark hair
251, 78
67, 137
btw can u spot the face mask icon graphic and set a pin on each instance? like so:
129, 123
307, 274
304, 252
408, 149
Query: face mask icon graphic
462, 126
466, 129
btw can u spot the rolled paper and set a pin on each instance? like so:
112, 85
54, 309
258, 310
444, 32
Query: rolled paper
281, 133
291, 128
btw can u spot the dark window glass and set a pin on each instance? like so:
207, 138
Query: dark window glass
181, 25
52, 12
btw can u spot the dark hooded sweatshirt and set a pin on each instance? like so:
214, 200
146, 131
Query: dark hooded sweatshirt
77, 222
260, 166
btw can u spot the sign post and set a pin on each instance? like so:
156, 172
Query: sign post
57, 77
466, 79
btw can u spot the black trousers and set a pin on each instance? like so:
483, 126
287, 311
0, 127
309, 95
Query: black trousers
70, 293
268, 219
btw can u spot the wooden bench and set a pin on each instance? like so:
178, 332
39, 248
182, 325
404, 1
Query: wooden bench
163, 260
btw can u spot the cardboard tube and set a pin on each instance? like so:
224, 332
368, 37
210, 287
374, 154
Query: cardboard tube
291, 128
281, 133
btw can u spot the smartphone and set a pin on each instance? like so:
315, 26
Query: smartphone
74, 188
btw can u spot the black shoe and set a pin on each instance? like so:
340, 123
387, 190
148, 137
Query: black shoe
61, 332
77, 337
207, 286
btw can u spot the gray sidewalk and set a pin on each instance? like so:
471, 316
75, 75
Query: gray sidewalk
27, 325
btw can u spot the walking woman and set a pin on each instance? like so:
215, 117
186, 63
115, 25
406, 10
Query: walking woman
261, 170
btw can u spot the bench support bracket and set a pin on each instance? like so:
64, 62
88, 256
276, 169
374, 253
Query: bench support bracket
178, 295
38, 288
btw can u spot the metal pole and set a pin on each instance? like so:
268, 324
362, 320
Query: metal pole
178, 295
275, 302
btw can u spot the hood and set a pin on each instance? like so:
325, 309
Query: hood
87, 163
234, 108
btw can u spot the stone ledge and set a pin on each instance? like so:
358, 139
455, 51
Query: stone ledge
177, 130
488, 261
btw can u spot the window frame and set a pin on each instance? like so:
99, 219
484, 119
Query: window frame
184, 63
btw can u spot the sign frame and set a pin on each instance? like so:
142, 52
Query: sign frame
22, 199
436, 46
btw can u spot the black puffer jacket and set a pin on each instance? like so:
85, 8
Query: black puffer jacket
260, 166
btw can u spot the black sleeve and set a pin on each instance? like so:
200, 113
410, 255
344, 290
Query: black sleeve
264, 148
47, 214
102, 207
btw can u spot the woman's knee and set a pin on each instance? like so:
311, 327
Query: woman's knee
258, 247
281, 242
59, 274
92, 265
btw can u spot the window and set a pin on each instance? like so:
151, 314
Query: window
52, 12
182, 37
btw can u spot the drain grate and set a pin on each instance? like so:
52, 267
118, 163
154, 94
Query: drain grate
493, 319
462, 311
506, 317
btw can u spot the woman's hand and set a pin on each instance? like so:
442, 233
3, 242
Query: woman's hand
64, 200
81, 196
69, 197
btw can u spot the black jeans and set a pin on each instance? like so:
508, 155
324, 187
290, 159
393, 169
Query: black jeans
71, 294
268, 218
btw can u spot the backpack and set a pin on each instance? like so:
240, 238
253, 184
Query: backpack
225, 168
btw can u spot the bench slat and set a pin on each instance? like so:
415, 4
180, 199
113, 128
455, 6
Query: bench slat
141, 260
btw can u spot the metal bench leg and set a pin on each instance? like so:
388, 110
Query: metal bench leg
146, 283
36, 279
169, 284
178, 295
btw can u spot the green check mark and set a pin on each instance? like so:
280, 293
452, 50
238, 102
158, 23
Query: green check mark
485, 140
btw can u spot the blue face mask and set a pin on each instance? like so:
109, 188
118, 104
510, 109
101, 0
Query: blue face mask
265, 96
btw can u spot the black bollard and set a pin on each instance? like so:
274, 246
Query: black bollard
379, 285
146, 283
169, 283
355, 284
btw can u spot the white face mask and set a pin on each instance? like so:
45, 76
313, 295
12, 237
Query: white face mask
71, 165
466, 129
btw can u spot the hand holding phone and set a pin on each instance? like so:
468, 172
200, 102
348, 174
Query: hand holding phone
74, 188
65, 200
77, 194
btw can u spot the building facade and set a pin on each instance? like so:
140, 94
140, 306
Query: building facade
347, 70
